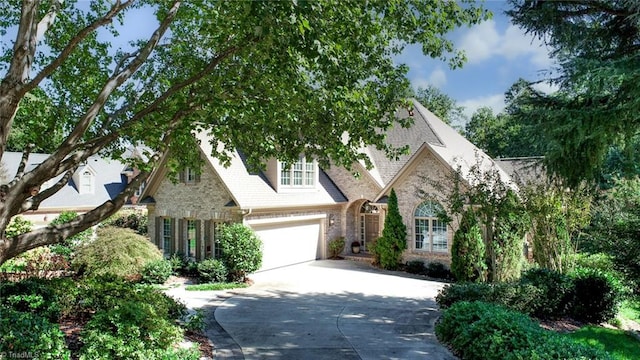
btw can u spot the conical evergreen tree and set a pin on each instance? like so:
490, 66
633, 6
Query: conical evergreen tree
468, 250
389, 247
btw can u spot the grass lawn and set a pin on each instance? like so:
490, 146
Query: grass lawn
620, 344
215, 286
630, 309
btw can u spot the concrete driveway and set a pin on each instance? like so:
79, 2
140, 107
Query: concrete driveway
330, 309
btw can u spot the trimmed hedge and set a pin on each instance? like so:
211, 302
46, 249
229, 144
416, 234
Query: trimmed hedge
484, 331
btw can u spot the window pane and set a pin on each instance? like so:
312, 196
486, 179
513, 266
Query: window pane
191, 238
422, 234
439, 235
309, 175
217, 253
297, 173
166, 236
285, 177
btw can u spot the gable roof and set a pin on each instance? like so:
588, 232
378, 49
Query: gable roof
253, 190
429, 132
109, 181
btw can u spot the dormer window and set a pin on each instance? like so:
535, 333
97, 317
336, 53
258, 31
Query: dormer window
301, 174
85, 180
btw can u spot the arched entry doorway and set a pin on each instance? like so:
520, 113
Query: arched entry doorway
369, 224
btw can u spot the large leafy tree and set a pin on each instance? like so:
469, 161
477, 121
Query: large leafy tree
440, 104
274, 78
597, 45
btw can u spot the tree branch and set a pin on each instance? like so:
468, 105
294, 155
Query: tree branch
34, 202
111, 85
48, 19
23, 163
74, 42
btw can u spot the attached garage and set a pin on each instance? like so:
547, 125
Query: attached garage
289, 240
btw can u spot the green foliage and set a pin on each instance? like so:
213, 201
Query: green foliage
516, 296
156, 271
322, 65
438, 270
336, 246
511, 226
597, 295
555, 299
415, 267
468, 251
598, 80
501, 135
136, 220
195, 321
499, 212
440, 104
68, 246
241, 250
483, 331
26, 332
557, 215
212, 270
615, 229
32, 295
622, 345
389, 247
115, 251
18, 225
131, 330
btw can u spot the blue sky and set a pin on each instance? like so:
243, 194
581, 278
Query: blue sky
498, 54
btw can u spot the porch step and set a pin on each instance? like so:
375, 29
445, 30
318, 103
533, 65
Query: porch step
359, 257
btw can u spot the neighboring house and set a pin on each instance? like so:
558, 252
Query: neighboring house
95, 182
297, 210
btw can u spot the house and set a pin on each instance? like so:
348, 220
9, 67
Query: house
297, 210
93, 183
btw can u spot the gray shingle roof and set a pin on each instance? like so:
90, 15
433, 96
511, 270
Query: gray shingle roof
420, 132
109, 181
253, 190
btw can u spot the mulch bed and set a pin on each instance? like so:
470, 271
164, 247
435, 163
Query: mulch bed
561, 325
205, 346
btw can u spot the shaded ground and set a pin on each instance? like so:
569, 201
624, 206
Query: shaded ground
323, 310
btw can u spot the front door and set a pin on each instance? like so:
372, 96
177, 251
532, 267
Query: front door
371, 229
369, 225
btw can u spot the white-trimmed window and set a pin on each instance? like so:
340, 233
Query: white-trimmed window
191, 244
430, 232
301, 174
167, 236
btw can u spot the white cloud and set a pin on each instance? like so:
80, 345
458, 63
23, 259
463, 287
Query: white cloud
495, 102
483, 41
437, 78
546, 87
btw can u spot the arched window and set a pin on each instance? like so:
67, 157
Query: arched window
430, 232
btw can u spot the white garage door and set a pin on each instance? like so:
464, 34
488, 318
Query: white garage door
289, 243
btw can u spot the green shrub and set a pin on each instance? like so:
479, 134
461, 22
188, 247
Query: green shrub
454, 293
415, 267
516, 296
18, 225
131, 330
468, 250
483, 331
389, 247
336, 246
31, 295
136, 220
69, 245
156, 272
557, 292
437, 270
241, 250
212, 270
597, 295
24, 332
115, 251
